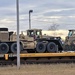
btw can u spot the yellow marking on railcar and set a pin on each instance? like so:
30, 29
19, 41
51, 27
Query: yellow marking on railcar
6, 56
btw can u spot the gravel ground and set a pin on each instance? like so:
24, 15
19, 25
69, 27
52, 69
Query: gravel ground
39, 69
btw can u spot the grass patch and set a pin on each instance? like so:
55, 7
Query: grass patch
39, 69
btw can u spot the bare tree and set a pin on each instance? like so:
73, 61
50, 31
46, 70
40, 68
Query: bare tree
53, 27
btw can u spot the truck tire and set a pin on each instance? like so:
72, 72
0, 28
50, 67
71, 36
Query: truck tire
67, 48
52, 47
40, 47
72, 47
14, 47
4, 48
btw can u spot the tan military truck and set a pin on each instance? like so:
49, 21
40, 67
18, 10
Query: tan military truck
8, 41
29, 40
41, 43
69, 44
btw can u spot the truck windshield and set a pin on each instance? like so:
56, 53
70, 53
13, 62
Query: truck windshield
30, 33
38, 33
70, 33
73, 32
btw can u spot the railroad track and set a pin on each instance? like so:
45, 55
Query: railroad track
37, 61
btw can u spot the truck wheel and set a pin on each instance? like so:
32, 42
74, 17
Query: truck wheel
52, 47
4, 48
67, 48
14, 47
40, 47
72, 47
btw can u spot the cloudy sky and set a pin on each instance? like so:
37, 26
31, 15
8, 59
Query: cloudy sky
45, 13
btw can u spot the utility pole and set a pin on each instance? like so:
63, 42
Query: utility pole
18, 42
30, 11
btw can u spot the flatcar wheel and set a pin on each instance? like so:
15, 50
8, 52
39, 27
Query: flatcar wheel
4, 48
52, 47
14, 47
40, 47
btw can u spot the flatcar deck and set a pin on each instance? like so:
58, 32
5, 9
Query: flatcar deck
34, 55
38, 57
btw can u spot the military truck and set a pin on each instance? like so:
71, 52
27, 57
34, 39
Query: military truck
69, 44
36, 42
29, 40
8, 41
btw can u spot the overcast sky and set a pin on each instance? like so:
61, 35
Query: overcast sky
45, 13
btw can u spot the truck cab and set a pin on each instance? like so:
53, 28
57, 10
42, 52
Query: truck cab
70, 39
71, 33
35, 33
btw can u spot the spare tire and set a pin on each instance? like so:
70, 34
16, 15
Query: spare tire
52, 47
40, 47
4, 48
14, 47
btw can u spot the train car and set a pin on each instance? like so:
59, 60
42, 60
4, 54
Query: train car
38, 47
